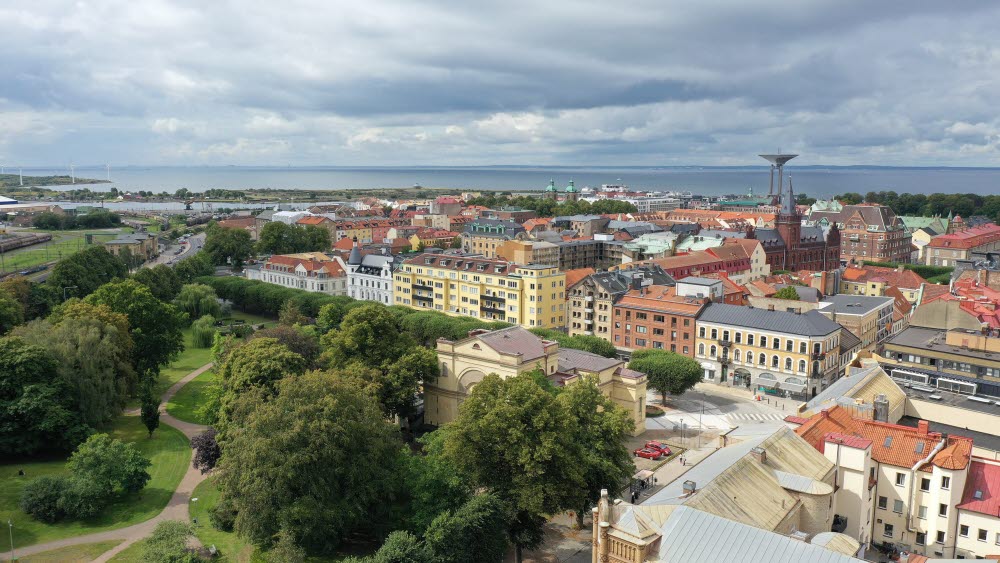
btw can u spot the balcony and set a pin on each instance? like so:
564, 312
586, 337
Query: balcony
725, 343
424, 298
484, 308
818, 355
588, 321
494, 299
588, 310
422, 287
588, 333
589, 299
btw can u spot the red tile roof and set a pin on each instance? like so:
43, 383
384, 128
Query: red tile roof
969, 238
311, 265
238, 223
574, 277
313, 221
901, 450
660, 298
906, 279
848, 440
984, 477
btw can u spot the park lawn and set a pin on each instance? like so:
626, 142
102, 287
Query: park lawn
63, 244
231, 547
190, 359
184, 405
169, 452
253, 319
83, 553
131, 554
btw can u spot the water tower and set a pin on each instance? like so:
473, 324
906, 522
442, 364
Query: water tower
777, 161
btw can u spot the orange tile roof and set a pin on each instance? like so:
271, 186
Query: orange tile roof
313, 220
345, 243
574, 277
934, 291
238, 223
900, 451
660, 298
907, 279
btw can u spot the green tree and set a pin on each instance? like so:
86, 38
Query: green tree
150, 413
194, 267
285, 549
475, 532
318, 460
228, 246
37, 411
94, 362
82, 273
591, 344
36, 299
331, 314
161, 280
261, 362
279, 238
402, 547
112, 466
203, 332
155, 325
530, 464
296, 339
433, 484
291, 314
11, 312
599, 428
169, 543
787, 292
198, 300
666, 372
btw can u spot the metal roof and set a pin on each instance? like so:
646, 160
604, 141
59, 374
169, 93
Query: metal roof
854, 304
811, 323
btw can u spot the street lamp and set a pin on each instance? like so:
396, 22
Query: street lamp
10, 525
67, 287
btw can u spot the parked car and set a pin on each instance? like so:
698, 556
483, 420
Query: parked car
658, 446
648, 453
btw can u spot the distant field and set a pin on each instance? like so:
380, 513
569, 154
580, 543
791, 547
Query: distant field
63, 244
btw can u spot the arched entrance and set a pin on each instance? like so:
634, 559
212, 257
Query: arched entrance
741, 378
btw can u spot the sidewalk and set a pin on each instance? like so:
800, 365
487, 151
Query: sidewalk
779, 404
673, 470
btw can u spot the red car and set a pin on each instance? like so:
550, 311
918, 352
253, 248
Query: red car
654, 445
648, 453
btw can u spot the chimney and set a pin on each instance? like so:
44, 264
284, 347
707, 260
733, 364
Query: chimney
881, 404
690, 488
760, 454
923, 426
770, 307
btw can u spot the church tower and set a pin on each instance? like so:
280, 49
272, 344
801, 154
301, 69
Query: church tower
571, 193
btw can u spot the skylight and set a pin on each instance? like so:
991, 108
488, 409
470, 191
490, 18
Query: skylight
920, 447
888, 441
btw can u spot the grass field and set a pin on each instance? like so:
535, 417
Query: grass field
83, 553
184, 405
63, 244
230, 546
190, 359
169, 451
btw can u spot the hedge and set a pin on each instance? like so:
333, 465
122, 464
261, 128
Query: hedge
922, 270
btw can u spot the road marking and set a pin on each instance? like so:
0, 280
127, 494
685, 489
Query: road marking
754, 417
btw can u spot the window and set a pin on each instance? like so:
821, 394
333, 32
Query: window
788, 345
701, 332
715, 333
883, 502
946, 483
940, 537
701, 349
802, 347
763, 342
900, 479
788, 364
888, 531
921, 538
897, 506
942, 509
749, 340
981, 535
774, 362
712, 351
925, 484
922, 512
998, 538
802, 366
963, 531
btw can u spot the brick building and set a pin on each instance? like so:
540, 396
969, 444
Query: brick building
868, 232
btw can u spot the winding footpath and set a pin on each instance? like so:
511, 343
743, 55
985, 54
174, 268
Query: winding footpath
176, 509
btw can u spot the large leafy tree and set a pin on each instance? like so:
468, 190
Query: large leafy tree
94, 358
228, 246
318, 460
198, 300
599, 428
433, 484
37, 411
162, 281
787, 292
11, 311
36, 299
155, 326
667, 372
474, 533
296, 339
113, 466
82, 273
194, 267
530, 463
261, 362
279, 238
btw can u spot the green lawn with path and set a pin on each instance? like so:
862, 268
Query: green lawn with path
231, 547
184, 405
169, 452
82, 553
190, 359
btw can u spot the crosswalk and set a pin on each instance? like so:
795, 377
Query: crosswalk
737, 418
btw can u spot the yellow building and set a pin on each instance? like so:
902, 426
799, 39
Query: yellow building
494, 290
529, 252
350, 230
512, 351
140, 245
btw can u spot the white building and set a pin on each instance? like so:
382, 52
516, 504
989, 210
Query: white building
309, 271
369, 278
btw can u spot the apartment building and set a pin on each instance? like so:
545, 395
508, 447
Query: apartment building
529, 252
311, 271
965, 359
369, 276
590, 300
867, 232
744, 259
662, 317
867, 317
483, 236
777, 352
945, 250
896, 484
513, 351
472, 286
875, 280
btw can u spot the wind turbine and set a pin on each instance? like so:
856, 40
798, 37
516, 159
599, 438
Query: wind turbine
20, 175
72, 173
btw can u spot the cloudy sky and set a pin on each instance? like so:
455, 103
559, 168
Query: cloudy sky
458, 82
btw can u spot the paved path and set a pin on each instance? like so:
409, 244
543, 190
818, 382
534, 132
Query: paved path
176, 509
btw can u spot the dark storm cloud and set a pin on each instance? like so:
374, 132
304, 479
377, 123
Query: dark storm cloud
395, 82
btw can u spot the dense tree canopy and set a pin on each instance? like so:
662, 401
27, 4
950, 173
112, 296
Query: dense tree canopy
591, 344
667, 372
261, 362
318, 460
11, 311
37, 411
530, 465
787, 293
161, 280
546, 207
82, 273
296, 339
474, 533
228, 246
94, 220
279, 238
155, 326
198, 300
36, 299
194, 267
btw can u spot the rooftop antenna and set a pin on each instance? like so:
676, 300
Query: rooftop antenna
777, 161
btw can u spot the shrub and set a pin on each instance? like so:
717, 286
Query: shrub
40, 498
83, 498
223, 515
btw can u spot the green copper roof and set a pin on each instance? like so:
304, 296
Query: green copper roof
551, 187
570, 188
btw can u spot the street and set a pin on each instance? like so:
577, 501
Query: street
718, 408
